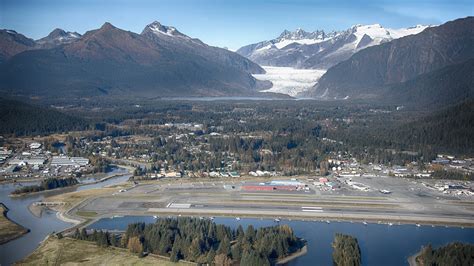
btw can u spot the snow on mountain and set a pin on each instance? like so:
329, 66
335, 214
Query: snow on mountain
318, 49
300, 36
399, 33
58, 37
157, 28
379, 34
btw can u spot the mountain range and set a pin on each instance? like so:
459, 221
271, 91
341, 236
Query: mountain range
431, 67
110, 61
420, 66
318, 49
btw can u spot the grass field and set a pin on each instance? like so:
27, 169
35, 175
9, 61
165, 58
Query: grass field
8, 229
86, 214
72, 198
67, 251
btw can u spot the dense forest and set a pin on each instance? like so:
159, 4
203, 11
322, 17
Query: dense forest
452, 254
202, 241
47, 184
346, 251
449, 130
21, 119
453, 175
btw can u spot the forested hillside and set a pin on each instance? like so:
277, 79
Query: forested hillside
24, 119
448, 130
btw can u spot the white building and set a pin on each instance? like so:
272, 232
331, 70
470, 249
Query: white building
35, 145
69, 161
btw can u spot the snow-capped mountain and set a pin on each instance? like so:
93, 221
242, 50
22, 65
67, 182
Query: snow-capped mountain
433, 68
157, 28
168, 37
318, 49
58, 37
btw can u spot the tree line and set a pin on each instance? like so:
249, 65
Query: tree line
47, 184
452, 254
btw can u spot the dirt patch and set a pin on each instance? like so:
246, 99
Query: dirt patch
67, 251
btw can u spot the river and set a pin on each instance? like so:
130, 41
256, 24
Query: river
39, 227
380, 244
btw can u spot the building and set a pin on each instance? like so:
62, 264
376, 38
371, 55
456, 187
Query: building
80, 160
35, 145
323, 180
35, 160
269, 188
234, 174
294, 183
173, 174
69, 161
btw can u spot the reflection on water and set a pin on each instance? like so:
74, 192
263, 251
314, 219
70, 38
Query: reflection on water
380, 244
39, 227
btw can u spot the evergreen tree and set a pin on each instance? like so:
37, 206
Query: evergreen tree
252, 258
224, 247
175, 255
210, 256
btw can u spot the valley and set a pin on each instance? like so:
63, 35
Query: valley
125, 140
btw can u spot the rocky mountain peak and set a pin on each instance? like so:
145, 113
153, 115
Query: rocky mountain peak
158, 28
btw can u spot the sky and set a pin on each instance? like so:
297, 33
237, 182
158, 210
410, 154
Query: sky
225, 23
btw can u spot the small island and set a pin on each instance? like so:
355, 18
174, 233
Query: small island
9, 230
346, 251
47, 184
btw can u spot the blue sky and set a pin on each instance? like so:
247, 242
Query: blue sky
230, 23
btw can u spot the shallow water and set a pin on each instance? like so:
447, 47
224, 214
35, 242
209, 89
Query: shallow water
39, 227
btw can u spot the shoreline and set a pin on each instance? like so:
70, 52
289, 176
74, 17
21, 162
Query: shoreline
310, 216
65, 188
301, 252
412, 259
20, 230
90, 221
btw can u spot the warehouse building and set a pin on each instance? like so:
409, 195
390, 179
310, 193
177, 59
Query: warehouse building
69, 161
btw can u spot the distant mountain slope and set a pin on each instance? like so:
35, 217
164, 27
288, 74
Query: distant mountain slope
368, 73
12, 43
445, 86
113, 62
318, 49
24, 119
448, 130
444, 130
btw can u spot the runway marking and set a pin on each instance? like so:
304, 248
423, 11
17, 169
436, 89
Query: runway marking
310, 207
179, 205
